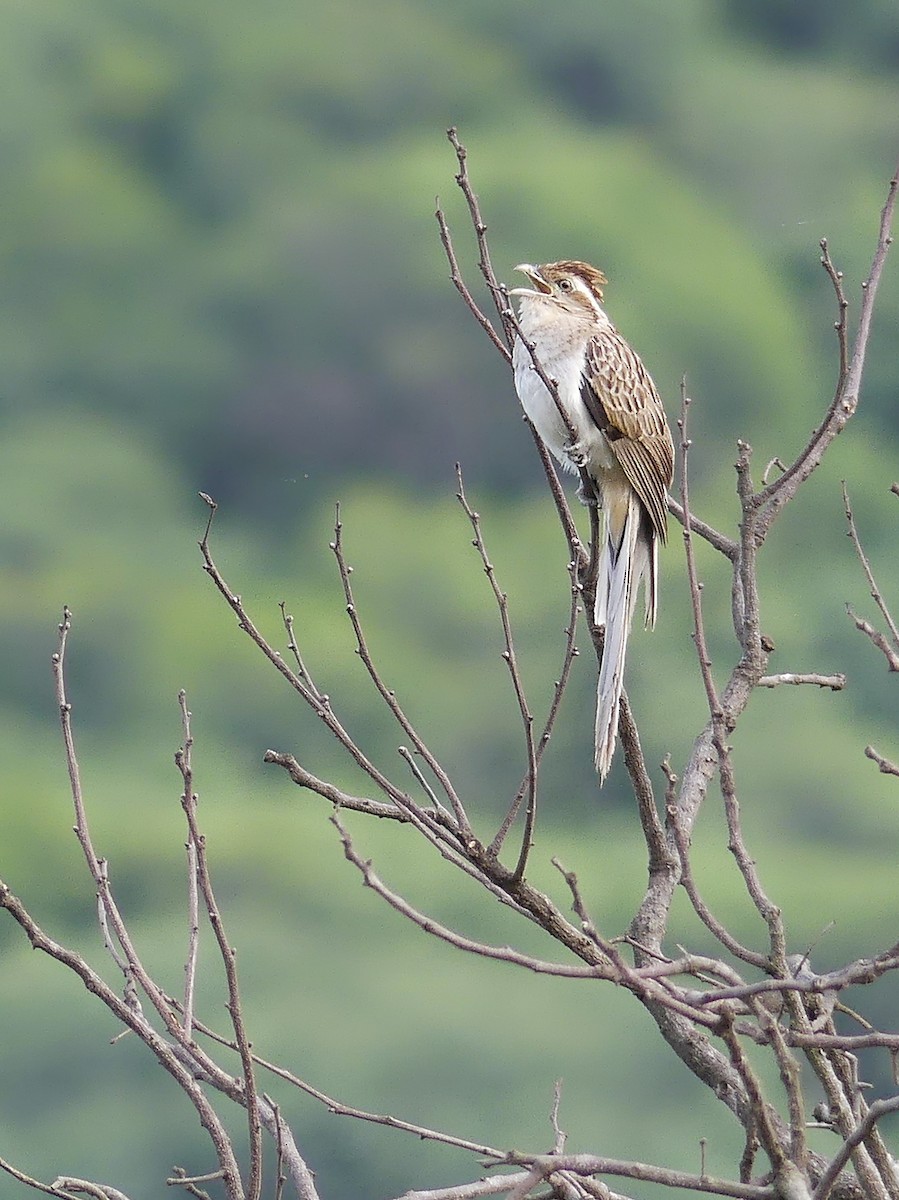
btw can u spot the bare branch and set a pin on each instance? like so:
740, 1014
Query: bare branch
97, 1191
386, 693
878, 1109
461, 287
891, 652
511, 661
590, 1164
836, 682
495, 1186
329, 791
772, 498
478, 224
702, 652
429, 925
559, 686
319, 702
510, 327
163, 1051
189, 798
876, 637
190, 1183
836, 278
716, 927
718, 541
886, 766
48, 1189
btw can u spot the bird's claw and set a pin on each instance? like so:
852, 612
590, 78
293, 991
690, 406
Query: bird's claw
576, 452
587, 494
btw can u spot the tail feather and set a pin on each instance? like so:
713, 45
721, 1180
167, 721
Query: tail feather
621, 569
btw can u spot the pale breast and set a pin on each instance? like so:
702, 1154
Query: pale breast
560, 346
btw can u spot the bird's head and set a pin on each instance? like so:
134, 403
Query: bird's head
574, 287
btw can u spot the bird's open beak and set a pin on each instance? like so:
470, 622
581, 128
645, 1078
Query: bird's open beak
532, 273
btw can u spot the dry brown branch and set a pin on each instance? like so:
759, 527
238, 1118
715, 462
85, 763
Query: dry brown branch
715, 927
718, 541
886, 766
511, 661
702, 650
164, 1052
772, 499
840, 324
711, 752
876, 637
591, 1164
731, 1029
386, 693
508, 321
558, 691
835, 683
189, 798
319, 702
136, 973
498, 1185
48, 1189
461, 287
889, 651
328, 791
877, 1110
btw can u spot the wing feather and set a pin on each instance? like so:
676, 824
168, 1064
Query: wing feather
622, 399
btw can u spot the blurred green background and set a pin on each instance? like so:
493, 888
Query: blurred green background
221, 271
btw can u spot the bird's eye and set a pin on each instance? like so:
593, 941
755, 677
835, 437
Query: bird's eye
565, 285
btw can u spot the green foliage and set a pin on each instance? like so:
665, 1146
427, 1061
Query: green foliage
219, 269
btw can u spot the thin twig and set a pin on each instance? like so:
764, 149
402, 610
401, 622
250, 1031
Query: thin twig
835, 682
162, 1050
48, 1189
319, 702
559, 686
772, 499
511, 661
294, 649
718, 541
193, 887
477, 221
406, 754
183, 760
450, 936
386, 693
137, 975
840, 324
660, 858
510, 327
763, 1124
886, 766
462, 288
876, 637
702, 910
329, 791
876, 593
590, 1164
699, 638
878, 1109
338, 1108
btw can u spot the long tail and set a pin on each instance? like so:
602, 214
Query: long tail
623, 564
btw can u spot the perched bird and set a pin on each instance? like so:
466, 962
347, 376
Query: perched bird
621, 439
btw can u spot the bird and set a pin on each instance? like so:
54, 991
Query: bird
621, 440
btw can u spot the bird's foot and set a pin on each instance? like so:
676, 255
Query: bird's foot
576, 453
586, 493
